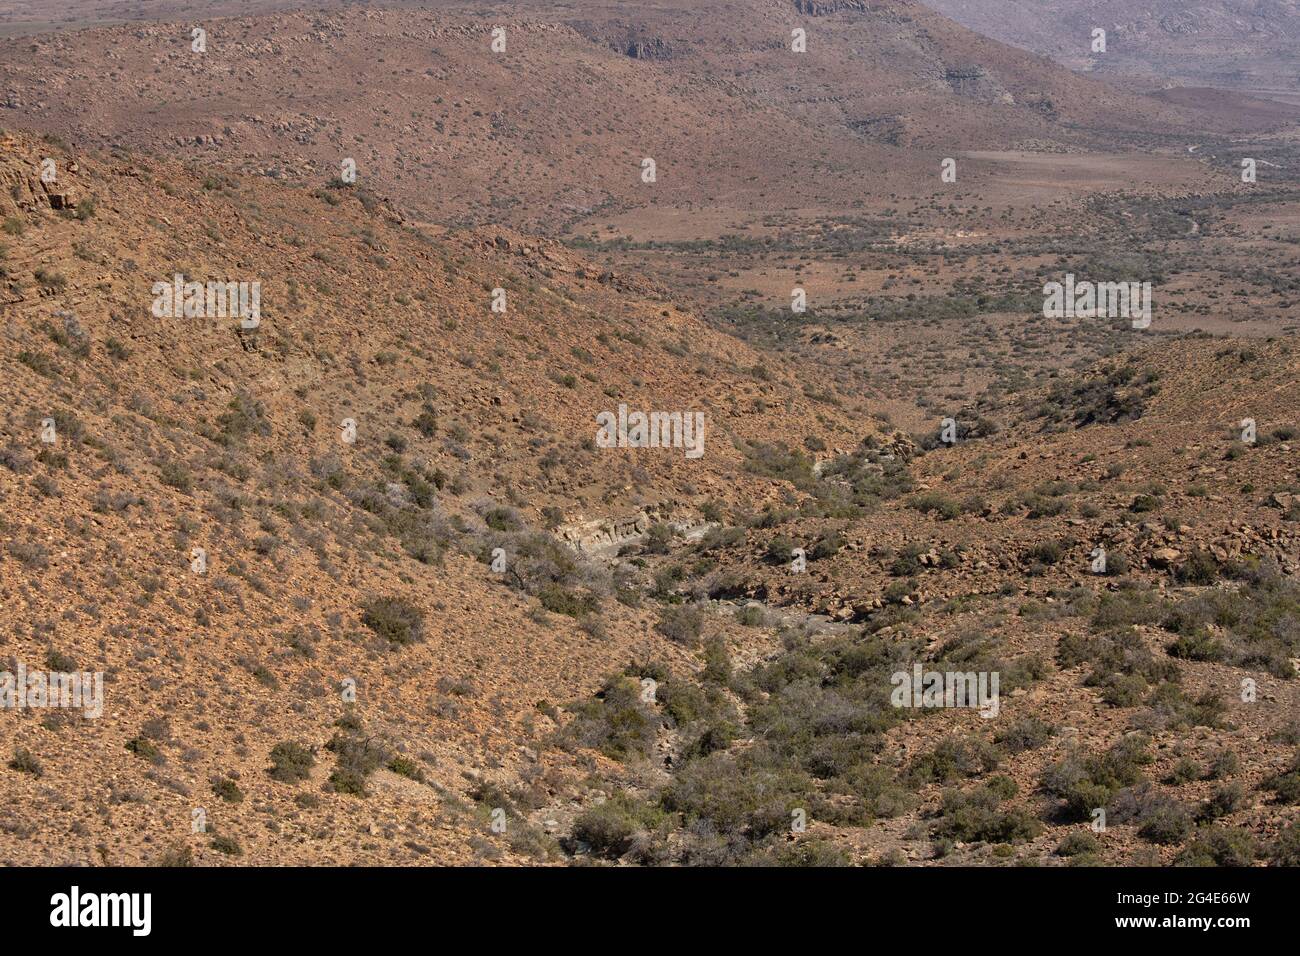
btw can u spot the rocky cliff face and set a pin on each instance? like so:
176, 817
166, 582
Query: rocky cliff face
823, 8
649, 48
25, 186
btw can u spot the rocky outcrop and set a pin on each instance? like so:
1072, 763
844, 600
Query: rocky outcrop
976, 82
604, 536
603, 533
898, 446
650, 48
823, 8
23, 190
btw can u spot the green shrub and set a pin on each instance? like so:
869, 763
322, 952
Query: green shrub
1225, 763
227, 845
405, 767
58, 661
1128, 607
395, 619
1227, 798
1185, 771
244, 417
1116, 564
291, 762
617, 722
610, 829
826, 547
1166, 823
426, 423
1025, 733
1199, 646
779, 550
24, 761
908, 561
1078, 842
1285, 850
1117, 396
503, 519
560, 600
175, 475
50, 280
1219, 846
682, 624
658, 538
1045, 552
976, 816
144, 748
1257, 625
801, 853
1086, 783
739, 796
945, 506
177, 855
1286, 785
1200, 567
779, 462
1175, 710
358, 756
228, 790
952, 759
347, 780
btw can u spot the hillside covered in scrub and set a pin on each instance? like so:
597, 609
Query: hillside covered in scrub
583, 449
326, 561
349, 675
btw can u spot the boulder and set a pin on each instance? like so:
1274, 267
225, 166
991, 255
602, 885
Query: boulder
1164, 557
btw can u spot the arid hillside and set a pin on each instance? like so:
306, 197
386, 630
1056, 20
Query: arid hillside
326, 333
1244, 45
1112, 548
554, 130
473, 430
348, 674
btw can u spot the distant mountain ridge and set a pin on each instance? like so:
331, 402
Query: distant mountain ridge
1246, 45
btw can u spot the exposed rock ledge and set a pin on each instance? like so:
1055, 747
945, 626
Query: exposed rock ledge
604, 536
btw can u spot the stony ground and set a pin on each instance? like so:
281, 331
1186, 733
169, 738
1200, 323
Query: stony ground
364, 587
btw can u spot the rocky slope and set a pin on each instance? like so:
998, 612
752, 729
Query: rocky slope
553, 131
176, 434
